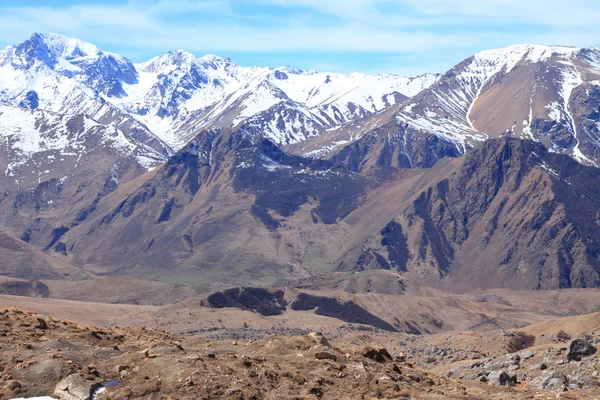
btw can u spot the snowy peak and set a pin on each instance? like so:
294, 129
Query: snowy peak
176, 94
549, 94
526, 91
101, 71
526, 53
50, 50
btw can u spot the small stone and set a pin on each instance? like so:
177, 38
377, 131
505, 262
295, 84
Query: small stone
500, 378
41, 324
75, 387
550, 380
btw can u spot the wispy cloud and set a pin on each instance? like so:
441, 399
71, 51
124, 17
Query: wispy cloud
368, 35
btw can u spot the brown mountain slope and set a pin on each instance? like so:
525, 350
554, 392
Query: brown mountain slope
56, 169
545, 93
216, 212
513, 215
233, 210
21, 260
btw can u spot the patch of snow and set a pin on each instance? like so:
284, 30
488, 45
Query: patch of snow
554, 111
272, 166
35, 398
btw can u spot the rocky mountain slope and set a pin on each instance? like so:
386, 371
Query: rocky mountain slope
56, 167
232, 208
68, 360
512, 215
544, 93
235, 209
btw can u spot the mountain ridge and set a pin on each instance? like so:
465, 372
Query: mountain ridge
176, 93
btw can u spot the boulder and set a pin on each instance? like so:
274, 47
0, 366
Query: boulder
499, 378
379, 355
579, 349
324, 353
319, 339
526, 355
550, 380
75, 387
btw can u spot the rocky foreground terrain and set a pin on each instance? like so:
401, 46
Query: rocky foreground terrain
45, 356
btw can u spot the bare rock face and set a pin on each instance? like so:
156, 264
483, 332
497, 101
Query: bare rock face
550, 380
579, 349
75, 387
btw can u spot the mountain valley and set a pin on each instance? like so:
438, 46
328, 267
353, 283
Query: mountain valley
223, 213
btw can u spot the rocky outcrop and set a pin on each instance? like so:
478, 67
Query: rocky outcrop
579, 349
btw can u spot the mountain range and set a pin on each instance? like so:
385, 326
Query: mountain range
202, 172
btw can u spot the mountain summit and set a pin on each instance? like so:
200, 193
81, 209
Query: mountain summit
544, 93
176, 94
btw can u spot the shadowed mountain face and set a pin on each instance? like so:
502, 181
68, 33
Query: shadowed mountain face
235, 209
513, 215
217, 210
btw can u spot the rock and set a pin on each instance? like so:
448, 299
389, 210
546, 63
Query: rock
41, 324
319, 339
324, 353
165, 349
75, 387
121, 368
47, 371
379, 355
526, 355
550, 380
579, 349
14, 386
499, 378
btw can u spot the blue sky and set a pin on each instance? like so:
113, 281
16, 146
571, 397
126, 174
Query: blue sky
387, 36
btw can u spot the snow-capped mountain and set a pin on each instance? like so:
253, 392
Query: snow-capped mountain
179, 94
525, 91
39, 145
549, 94
68, 76
175, 95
